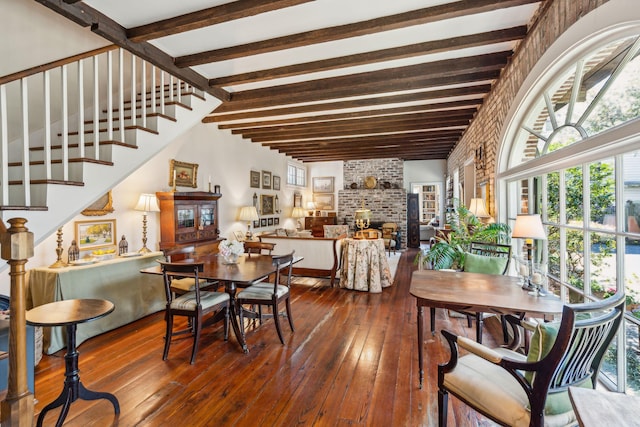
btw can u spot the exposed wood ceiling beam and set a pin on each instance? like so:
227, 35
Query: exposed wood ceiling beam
377, 88
416, 136
355, 115
203, 18
400, 52
386, 23
220, 113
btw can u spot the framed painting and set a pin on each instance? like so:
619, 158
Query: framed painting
276, 221
323, 184
95, 234
254, 179
266, 205
256, 224
297, 200
102, 206
263, 222
269, 222
323, 201
276, 182
182, 174
266, 180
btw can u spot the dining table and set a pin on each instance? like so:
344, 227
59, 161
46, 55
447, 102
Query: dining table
247, 269
474, 292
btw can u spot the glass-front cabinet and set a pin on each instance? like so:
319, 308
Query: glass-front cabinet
188, 218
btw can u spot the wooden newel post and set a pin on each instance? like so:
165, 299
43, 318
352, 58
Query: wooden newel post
16, 246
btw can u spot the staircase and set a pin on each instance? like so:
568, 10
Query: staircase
70, 133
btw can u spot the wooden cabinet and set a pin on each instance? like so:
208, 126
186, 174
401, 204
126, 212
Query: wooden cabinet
316, 223
189, 219
413, 220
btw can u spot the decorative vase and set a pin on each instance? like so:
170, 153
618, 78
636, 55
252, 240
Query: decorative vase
231, 258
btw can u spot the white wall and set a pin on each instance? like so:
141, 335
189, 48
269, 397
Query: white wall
424, 171
321, 169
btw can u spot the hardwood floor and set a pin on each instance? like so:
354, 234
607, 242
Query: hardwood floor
352, 360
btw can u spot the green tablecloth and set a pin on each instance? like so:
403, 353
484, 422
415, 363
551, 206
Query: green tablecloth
118, 280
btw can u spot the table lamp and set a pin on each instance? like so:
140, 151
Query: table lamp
479, 209
311, 207
248, 213
146, 203
298, 213
529, 227
363, 217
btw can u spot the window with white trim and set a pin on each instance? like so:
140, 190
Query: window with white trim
296, 175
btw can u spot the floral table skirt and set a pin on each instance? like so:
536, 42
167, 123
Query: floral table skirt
364, 265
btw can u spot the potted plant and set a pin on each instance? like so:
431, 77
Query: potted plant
449, 249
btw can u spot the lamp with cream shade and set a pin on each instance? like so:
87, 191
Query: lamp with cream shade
248, 213
478, 208
529, 227
146, 203
298, 213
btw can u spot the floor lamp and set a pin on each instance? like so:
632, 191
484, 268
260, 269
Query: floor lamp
146, 203
529, 227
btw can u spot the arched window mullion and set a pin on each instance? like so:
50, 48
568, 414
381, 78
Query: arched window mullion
614, 75
575, 91
550, 110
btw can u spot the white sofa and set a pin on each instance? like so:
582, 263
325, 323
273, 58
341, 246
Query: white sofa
321, 254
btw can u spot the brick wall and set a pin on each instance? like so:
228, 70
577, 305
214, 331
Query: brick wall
386, 204
554, 18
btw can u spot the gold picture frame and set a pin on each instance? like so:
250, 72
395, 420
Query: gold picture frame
95, 234
323, 184
102, 206
324, 201
185, 174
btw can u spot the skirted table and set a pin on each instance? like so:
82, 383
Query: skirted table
118, 280
364, 265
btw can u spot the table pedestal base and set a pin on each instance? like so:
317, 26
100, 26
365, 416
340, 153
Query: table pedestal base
73, 388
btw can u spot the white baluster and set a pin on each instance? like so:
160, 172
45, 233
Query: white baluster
121, 93
65, 123
81, 108
96, 107
162, 92
26, 171
110, 96
133, 91
46, 96
153, 88
143, 91
4, 145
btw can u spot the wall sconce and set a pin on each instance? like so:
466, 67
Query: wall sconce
248, 213
276, 205
480, 157
146, 203
255, 201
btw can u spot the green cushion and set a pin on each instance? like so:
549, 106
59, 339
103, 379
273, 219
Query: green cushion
541, 343
484, 264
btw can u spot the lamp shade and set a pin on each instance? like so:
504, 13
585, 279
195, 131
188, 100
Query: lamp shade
298, 212
529, 226
147, 203
363, 214
478, 208
248, 213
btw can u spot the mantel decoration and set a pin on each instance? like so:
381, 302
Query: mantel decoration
231, 250
183, 174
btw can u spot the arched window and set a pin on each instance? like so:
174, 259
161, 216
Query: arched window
572, 154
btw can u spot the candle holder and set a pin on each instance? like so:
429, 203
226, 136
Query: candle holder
59, 263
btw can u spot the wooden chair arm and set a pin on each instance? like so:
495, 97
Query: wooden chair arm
479, 350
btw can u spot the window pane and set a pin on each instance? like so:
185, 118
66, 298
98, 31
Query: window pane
631, 190
574, 196
553, 197
632, 332
603, 264
553, 247
603, 194
575, 263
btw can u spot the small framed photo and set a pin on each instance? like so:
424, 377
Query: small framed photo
276, 221
297, 200
263, 222
183, 174
95, 234
269, 221
256, 224
239, 235
323, 184
266, 180
254, 179
276, 182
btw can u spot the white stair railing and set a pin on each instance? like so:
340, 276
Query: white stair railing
56, 116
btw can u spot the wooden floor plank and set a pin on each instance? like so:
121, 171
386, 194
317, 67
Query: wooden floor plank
352, 360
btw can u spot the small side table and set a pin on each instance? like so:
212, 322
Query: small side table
69, 313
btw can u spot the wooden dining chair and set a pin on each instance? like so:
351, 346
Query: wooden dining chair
181, 286
516, 390
193, 304
269, 294
258, 248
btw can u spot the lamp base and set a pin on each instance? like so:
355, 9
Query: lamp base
144, 250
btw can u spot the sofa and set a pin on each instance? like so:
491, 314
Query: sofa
321, 255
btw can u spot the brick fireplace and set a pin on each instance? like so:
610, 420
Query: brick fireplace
387, 201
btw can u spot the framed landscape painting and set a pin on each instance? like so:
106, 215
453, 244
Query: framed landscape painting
323, 184
183, 174
323, 201
95, 234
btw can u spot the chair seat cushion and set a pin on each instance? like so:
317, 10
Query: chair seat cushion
187, 284
207, 300
494, 391
474, 263
262, 291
